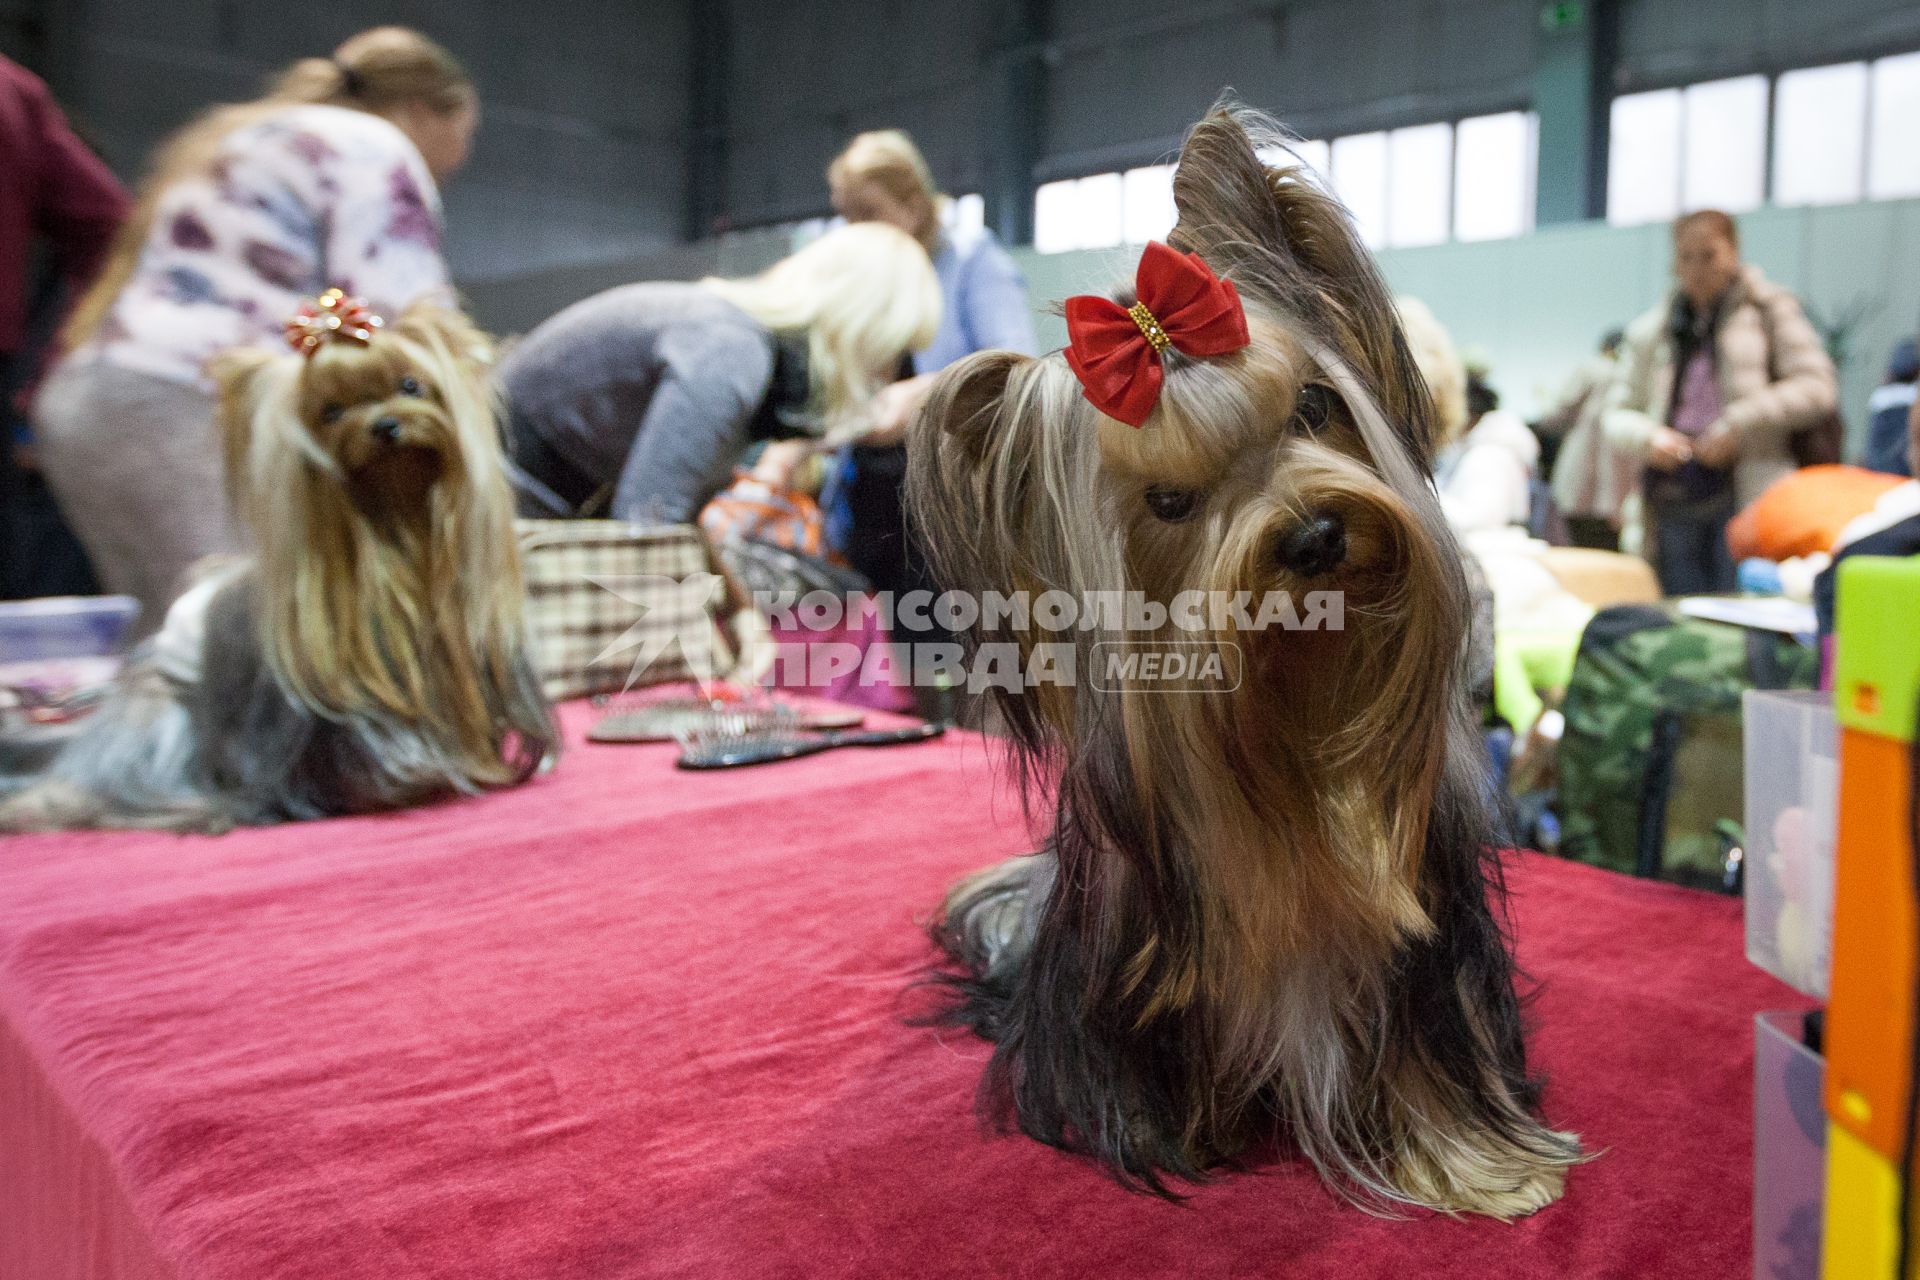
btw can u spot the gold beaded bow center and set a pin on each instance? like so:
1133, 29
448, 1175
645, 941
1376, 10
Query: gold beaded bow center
332, 316
1149, 327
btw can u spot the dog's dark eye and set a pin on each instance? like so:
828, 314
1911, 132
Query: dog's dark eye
1172, 505
409, 386
331, 412
1314, 408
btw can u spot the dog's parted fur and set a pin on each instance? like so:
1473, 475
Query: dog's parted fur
370, 654
1272, 910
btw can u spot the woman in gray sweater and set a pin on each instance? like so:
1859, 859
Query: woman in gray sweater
637, 402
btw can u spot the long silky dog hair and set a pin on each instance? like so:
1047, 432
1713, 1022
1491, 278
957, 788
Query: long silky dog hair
1266, 911
369, 654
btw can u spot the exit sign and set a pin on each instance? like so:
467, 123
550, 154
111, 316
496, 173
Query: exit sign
1559, 17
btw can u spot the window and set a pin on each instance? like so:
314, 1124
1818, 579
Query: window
1893, 158
1819, 134
1146, 202
1360, 180
1314, 153
1078, 213
1100, 225
1724, 163
1840, 133
1055, 227
966, 213
1419, 185
1493, 176
1429, 183
1643, 157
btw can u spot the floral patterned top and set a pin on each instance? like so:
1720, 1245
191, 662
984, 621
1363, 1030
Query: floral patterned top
308, 198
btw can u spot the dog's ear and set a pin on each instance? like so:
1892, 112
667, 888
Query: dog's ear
1227, 213
1283, 239
1240, 214
446, 328
966, 398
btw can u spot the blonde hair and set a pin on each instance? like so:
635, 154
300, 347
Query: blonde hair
888, 159
865, 295
375, 71
1439, 363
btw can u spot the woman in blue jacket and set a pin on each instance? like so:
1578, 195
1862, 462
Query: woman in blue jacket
882, 177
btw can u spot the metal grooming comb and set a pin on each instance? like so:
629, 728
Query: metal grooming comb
667, 719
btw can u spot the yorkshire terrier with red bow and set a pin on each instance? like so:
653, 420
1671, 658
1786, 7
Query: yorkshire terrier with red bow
1271, 909
370, 654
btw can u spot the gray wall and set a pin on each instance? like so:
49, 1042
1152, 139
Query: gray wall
19, 33
1125, 77
1663, 42
581, 175
807, 74
1134, 70
586, 143
581, 153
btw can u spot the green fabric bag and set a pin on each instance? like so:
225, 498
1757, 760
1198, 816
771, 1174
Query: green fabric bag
1650, 760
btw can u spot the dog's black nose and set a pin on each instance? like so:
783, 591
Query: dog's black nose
387, 429
1316, 546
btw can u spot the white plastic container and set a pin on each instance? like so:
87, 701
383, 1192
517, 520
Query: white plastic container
1792, 790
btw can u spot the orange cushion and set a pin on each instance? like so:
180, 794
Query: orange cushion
1804, 512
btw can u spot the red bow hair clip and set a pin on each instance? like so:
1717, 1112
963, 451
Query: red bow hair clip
1115, 350
331, 315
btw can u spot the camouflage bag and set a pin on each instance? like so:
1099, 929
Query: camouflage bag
1650, 760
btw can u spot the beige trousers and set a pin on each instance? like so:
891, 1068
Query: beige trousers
135, 462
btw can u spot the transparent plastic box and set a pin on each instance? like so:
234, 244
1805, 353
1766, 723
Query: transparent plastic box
1792, 792
64, 627
1789, 1150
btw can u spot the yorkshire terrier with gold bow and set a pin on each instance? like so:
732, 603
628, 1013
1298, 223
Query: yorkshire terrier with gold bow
1270, 905
370, 654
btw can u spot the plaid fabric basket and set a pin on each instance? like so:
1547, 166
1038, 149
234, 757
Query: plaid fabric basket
614, 606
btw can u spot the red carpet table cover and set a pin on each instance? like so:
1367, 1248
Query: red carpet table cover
632, 1022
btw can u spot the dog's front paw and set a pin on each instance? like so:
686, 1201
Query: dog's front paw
1488, 1173
46, 806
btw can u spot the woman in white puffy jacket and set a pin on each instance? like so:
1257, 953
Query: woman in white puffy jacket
1484, 472
1485, 477
1487, 458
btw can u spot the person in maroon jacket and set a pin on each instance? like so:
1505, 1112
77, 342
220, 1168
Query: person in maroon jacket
56, 190
60, 199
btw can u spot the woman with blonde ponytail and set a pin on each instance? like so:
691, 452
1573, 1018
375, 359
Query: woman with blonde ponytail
330, 180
